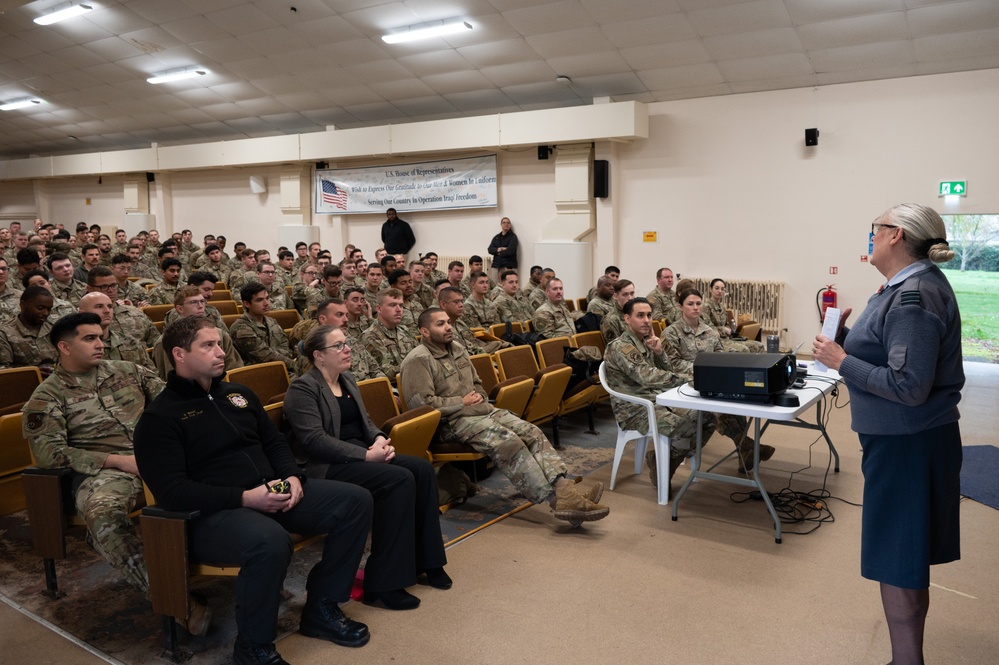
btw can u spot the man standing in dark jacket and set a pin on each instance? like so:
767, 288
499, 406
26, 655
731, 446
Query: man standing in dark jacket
397, 234
504, 247
207, 445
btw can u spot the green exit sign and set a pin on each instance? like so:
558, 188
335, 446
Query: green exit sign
954, 188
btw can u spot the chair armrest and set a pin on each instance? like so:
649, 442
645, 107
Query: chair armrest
406, 416
156, 511
46, 492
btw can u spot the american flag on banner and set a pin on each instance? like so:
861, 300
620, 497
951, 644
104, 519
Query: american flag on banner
334, 195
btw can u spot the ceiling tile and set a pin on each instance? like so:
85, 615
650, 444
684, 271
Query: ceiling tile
421, 107
608, 11
160, 12
570, 42
853, 31
873, 74
229, 49
865, 56
330, 29
379, 70
12, 47
241, 19
113, 48
119, 19
299, 13
264, 106
549, 17
540, 93
666, 55
958, 65
753, 44
671, 28
750, 16
480, 101
812, 11
109, 73
376, 21
437, 62
520, 73
335, 117
767, 67
955, 17
354, 95
404, 89
778, 83
151, 40
194, 29
446, 84
499, 53
686, 76
354, 52
593, 64
305, 100
692, 92
964, 45
608, 85
376, 113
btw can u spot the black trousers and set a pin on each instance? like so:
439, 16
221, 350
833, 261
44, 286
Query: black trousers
260, 543
406, 530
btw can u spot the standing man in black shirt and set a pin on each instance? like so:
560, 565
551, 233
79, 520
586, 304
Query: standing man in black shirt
207, 445
397, 235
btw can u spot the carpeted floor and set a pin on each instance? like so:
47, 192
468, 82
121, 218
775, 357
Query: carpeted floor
115, 620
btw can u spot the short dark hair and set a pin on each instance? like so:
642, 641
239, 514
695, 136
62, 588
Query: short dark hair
32, 292
475, 258
424, 319
301, 243
315, 341
285, 254
454, 264
211, 248
441, 281
715, 281
375, 266
65, 327
98, 271
396, 275
387, 258
610, 269
181, 333
475, 276
450, 289
622, 284
253, 288
433, 254
687, 293
35, 273
324, 305
165, 249
332, 271
169, 263
121, 258
507, 273
630, 305
58, 256
27, 256
199, 277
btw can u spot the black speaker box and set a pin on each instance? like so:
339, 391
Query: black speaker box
150, 177
811, 136
542, 152
601, 178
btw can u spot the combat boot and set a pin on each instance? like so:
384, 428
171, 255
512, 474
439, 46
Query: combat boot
746, 453
199, 617
595, 492
574, 508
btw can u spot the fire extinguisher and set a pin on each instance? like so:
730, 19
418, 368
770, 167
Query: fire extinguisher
824, 300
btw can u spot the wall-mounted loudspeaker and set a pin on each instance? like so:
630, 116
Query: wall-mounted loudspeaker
150, 177
601, 178
544, 151
811, 136
257, 184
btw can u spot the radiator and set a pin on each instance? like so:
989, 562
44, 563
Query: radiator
763, 301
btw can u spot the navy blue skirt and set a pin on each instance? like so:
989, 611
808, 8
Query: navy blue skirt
912, 495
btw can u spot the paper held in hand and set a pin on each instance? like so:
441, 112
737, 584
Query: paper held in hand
830, 326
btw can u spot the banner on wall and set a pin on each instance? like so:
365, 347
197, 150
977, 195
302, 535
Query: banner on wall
440, 185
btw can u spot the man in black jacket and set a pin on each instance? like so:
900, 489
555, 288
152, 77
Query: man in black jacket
207, 445
397, 234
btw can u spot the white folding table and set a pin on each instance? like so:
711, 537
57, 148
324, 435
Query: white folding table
817, 386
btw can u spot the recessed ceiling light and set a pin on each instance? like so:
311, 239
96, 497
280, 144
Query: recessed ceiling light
20, 104
426, 31
177, 75
63, 14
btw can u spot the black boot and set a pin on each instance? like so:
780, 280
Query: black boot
323, 618
245, 652
397, 599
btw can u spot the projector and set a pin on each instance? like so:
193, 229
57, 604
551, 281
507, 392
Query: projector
748, 377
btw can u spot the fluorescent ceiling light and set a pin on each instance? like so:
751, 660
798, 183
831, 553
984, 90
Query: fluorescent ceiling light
416, 32
177, 75
20, 104
63, 14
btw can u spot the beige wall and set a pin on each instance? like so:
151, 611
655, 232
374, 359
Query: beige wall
726, 181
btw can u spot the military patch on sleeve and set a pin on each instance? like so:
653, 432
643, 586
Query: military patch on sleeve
910, 298
238, 401
33, 421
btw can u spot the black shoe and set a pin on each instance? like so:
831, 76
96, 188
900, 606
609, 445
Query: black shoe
435, 577
397, 599
325, 619
245, 652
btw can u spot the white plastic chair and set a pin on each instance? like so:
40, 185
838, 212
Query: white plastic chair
660, 443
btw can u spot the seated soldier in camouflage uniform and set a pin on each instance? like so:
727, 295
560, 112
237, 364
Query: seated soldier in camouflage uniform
663, 298
715, 314
60, 307
553, 318
308, 282
128, 291
358, 319
602, 303
422, 291
372, 285
116, 346
474, 266
333, 312
635, 363
62, 283
438, 373
453, 304
83, 417
479, 311
205, 281
190, 301
537, 297
433, 275
387, 340
613, 273
612, 326
683, 340
24, 340
411, 306
164, 292
267, 275
512, 304
244, 272
128, 321
258, 337
10, 293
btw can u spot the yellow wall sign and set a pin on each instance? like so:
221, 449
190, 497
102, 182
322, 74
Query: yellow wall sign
649, 236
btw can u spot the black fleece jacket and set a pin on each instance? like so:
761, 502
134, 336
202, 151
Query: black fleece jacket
200, 450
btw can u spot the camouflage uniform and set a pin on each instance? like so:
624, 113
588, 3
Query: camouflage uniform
631, 368
261, 342
600, 307
479, 314
554, 320
681, 344
411, 310
131, 322
284, 277
372, 297
388, 347
163, 293
664, 305
513, 309
220, 269
21, 346
239, 278
313, 298
716, 315
356, 329
162, 366
71, 292
299, 262
434, 276
425, 294
537, 298
440, 378
279, 296
464, 336
76, 421
60, 308
132, 293
613, 326
119, 347
10, 302
210, 312
465, 285
302, 294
